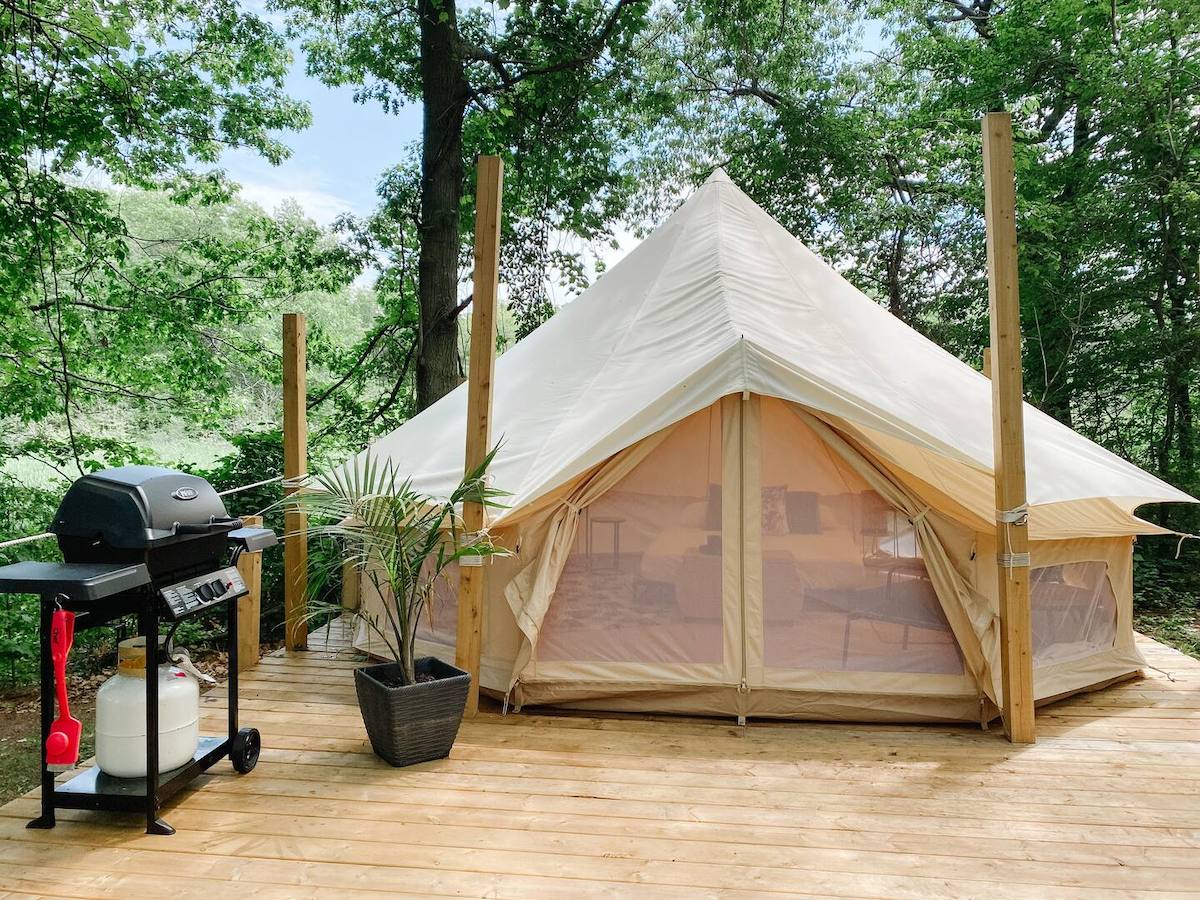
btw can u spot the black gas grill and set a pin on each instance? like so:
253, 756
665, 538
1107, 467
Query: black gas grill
172, 523
154, 544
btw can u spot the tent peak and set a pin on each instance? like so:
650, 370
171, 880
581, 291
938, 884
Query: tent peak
718, 176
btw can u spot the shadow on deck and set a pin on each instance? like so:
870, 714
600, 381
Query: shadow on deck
533, 805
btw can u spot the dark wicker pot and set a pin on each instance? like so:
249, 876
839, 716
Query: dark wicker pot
417, 722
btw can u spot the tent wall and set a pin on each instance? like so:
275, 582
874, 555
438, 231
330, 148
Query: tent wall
1081, 597
745, 561
744, 534
847, 602
645, 594
436, 634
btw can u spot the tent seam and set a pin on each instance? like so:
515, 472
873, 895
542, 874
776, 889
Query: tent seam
722, 290
934, 442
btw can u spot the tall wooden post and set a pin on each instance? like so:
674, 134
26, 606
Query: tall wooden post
1008, 429
987, 361
489, 187
249, 618
295, 466
351, 585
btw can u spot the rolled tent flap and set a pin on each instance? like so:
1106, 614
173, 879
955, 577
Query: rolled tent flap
969, 613
530, 592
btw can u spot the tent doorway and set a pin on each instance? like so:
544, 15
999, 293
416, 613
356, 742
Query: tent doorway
743, 551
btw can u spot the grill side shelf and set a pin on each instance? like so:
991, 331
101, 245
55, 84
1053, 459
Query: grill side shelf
78, 582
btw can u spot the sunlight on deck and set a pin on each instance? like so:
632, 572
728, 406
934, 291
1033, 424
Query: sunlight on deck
1107, 801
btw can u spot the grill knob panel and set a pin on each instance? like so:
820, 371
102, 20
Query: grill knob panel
202, 592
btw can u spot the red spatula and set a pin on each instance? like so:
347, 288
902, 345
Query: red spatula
62, 746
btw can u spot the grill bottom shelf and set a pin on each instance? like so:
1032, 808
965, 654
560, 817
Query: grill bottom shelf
92, 789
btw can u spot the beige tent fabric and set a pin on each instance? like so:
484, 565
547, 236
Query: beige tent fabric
530, 592
720, 306
720, 299
967, 493
1120, 660
967, 610
700, 698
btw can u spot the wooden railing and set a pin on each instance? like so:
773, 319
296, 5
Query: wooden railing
250, 607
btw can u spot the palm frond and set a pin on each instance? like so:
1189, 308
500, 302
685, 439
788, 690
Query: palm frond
393, 536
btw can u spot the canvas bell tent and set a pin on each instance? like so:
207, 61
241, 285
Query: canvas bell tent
739, 486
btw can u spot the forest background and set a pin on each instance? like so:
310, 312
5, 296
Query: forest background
141, 288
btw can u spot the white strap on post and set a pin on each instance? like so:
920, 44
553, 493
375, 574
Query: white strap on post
1017, 516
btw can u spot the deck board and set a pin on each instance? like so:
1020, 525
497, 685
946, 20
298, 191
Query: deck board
1106, 803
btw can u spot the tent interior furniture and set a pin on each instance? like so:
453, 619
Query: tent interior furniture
570, 804
740, 487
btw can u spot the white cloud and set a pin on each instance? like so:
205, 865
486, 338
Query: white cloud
320, 206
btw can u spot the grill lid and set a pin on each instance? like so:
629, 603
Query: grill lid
136, 507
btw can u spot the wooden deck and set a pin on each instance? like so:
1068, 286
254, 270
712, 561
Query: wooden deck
1107, 803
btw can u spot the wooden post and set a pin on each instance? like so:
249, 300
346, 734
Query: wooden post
250, 607
488, 191
351, 585
987, 361
1008, 429
295, 466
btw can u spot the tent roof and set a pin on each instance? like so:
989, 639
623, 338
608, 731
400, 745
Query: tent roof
722, 299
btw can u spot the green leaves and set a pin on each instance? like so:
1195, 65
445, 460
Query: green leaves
555, 88
120, 297
394, 538
153, 304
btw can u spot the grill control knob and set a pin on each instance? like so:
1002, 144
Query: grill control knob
218, 587
205, 591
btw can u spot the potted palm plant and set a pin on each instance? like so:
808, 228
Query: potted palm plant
399, 541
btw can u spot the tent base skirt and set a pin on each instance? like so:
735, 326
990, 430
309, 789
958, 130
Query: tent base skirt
718, 700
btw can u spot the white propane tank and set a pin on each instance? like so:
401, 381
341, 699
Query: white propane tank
121, 715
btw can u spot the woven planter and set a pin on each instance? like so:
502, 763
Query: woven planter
417, 722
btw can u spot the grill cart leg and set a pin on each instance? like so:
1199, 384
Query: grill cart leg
149, 627
245, 744
155, 825
46, 819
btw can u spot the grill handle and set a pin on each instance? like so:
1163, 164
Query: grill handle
215, 524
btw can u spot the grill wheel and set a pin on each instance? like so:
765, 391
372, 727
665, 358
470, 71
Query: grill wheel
245, 749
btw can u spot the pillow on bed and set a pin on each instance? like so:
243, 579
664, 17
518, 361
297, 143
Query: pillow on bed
774, 509
803, 512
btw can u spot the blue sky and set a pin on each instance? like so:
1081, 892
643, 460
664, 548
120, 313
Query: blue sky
336, 162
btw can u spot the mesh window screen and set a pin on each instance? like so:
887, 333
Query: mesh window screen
643, 580
1074, 611
844, 586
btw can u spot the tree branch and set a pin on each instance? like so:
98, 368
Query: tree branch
509, 79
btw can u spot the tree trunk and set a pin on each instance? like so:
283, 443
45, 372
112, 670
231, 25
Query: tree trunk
439, 367
895, 266
1056, 333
